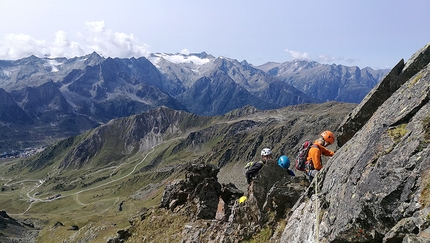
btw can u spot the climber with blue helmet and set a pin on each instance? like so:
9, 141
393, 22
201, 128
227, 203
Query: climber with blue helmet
284, 162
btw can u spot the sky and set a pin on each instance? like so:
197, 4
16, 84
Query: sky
363, 33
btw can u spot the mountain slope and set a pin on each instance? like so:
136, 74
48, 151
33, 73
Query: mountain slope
70, 96
222, 84
62, 97
219, 94
129, 160
326, 82
10, 112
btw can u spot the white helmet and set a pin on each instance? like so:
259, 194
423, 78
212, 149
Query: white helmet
266, 151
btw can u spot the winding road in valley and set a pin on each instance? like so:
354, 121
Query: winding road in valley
33, 199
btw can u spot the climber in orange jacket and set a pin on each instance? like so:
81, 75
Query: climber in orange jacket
315, 152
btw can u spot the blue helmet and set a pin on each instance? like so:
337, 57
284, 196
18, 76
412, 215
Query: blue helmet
284, 162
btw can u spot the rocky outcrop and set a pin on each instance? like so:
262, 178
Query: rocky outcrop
13, 230
200, 185
375, 188
270, 195
401, 73
214, 211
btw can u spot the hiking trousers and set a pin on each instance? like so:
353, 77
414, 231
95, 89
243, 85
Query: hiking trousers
312, 174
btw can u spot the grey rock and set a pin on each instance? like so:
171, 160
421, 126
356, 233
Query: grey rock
400, 74
372, 187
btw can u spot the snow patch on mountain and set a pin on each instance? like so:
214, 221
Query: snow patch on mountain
54, 65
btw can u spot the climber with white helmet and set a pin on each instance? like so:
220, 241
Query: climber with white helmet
253, 168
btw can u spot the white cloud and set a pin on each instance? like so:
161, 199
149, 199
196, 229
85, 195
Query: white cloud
96, 26
62, 47
96, 37
185, 52
351, 60
322, 58
295, 55
332, 59
183, 58
327, 58
18, 45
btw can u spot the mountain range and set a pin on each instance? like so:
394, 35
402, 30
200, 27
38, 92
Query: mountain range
167, 175
46, 99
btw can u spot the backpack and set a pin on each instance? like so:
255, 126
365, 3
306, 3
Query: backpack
302, 155
250, 164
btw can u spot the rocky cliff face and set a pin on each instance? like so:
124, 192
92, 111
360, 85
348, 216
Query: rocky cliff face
375, 188
400, 74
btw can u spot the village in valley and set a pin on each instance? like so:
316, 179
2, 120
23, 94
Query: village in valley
21, 153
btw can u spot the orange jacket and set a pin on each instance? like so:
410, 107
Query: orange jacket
314, 154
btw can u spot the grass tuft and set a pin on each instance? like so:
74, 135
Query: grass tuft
425, 193
426, 127
397, 132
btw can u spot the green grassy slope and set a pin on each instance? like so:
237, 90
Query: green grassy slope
125, 172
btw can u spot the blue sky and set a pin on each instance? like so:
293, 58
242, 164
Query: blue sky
354, 33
